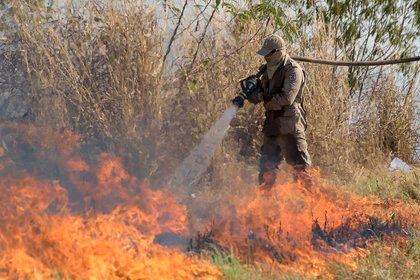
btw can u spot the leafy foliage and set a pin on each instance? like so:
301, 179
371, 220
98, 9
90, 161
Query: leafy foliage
364, 30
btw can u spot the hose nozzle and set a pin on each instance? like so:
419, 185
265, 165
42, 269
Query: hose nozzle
238, 101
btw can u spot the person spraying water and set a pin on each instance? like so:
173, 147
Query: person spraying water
279, 86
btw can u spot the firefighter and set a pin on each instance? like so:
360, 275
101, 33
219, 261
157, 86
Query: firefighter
282, 82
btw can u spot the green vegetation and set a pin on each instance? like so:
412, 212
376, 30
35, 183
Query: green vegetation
234, 269
386, 184
397, 262
378, 29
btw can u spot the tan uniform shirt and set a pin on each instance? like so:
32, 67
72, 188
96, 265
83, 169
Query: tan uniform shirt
286, 86
285, 122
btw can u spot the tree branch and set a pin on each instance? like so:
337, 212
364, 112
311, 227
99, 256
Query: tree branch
203, 35
168, 50
194, 20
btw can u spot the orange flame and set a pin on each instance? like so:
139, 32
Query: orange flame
44, 232
66, 216
303, 226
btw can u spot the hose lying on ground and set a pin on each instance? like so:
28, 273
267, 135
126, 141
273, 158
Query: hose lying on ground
356, 63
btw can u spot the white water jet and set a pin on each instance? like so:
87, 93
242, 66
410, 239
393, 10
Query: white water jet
193, 167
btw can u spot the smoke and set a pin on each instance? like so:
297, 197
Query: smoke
191, 169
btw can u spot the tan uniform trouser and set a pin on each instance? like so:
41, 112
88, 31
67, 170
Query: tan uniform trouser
289, 144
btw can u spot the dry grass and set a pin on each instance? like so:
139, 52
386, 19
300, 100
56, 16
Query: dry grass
400, 261
96, 70
383, 183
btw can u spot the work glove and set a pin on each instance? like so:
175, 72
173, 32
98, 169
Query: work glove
267, 97
238, 101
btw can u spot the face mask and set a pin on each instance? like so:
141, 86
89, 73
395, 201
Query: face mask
273, 62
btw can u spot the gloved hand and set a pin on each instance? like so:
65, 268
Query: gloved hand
267, 97
238, 101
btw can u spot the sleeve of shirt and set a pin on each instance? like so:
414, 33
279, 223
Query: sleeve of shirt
292, 83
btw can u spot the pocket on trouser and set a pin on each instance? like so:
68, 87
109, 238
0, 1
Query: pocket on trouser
302, 118
287, 125
271, 128
302, 147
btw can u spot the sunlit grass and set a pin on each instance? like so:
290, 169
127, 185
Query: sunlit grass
234, 269
386, 184
383, 262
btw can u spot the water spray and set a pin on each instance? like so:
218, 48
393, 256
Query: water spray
197, 162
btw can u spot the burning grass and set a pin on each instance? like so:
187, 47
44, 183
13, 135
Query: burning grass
304, 228
66, 216
84, 221
397, 261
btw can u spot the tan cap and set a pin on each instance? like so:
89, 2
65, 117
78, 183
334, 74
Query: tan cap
272, 42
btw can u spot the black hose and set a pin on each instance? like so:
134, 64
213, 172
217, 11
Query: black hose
356, 63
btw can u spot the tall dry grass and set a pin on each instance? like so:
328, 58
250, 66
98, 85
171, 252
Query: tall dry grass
97, 70
351, 133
